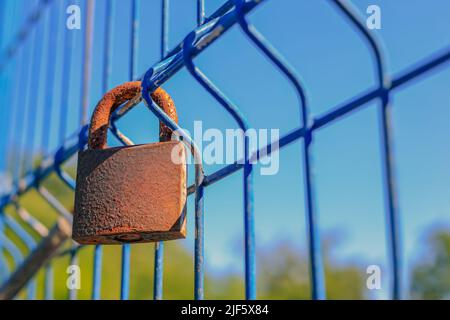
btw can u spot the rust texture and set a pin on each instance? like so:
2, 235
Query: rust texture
98, 129
134, 193
39, 257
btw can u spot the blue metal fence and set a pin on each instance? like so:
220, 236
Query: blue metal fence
28, 56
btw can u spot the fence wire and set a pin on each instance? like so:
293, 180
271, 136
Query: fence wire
23, 56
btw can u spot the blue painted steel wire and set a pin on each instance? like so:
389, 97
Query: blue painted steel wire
64, 107
15, 105
73, 262
384, 84
126, 249
199, 176
85, 93
174, 63
125, 274
97, 277
24, 236
8, 245
134, 45
30, 244
52, 33
158, 271
5, 270
31, 97
48, 284
205, 36
164, 27
316, 264
199, 247
88, 38
39, 229
249, 245
109, 18
200, 12
19, 126
32, 18
65, 85
54, 203
11, 100
71, 146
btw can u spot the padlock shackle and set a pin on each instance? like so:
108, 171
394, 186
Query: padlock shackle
98, 130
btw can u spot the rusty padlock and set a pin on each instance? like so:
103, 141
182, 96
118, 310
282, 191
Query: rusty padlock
132, 193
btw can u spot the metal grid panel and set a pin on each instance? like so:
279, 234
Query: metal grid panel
28, 55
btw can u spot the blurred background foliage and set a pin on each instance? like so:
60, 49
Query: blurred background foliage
282, 268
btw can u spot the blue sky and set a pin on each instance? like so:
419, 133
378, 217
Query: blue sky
335, 64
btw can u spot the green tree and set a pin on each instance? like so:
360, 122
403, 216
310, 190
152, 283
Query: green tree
431, 275
284, 274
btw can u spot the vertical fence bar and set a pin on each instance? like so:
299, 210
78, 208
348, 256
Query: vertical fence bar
48, 284
32, 96
20, 128
4, 90
13, 128
159, 246
165, 27
391, 197
14, 100
66, 71
52, 32
30, 244
135, 5
85, 94
73, 262
97, 277
199, 264
65, 85
316, 265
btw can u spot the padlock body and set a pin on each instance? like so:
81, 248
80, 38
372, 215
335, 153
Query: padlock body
131, 194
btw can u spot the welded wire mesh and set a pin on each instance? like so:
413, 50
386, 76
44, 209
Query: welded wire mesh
21, 60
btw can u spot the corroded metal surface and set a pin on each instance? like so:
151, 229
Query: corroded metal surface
100, 119
134, 193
